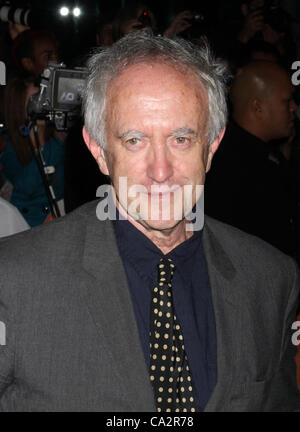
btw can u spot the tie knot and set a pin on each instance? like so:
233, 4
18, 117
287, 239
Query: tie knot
166, 270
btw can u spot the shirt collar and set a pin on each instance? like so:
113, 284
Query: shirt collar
144, 255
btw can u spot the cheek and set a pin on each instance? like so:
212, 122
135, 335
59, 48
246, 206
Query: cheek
197, 162
126, 165
199, 176
191, 171
281, 113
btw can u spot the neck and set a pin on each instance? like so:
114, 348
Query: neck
252, 127
165, 239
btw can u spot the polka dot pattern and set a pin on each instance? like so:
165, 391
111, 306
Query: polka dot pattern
169, 370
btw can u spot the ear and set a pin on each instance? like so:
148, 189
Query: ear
27, 64
258, 106
96, 150
213, 148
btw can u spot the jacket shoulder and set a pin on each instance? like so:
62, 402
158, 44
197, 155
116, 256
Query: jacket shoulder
50, 246
245, 250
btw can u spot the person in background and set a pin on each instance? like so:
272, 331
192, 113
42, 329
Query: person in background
258, 50
253, 20
265, 20
137, 16
15, 29
246, 187
32, 50
11, 220
18, 163
104, 29
133, 17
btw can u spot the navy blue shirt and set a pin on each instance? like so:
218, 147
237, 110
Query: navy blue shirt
191, 296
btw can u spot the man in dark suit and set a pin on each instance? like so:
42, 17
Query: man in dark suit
149, 310
248, 186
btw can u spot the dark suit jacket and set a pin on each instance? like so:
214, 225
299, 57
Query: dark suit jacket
71, 338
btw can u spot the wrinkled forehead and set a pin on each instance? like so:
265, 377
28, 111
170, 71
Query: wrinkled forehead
157, 78
156, 96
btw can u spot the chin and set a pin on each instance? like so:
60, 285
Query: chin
159, 225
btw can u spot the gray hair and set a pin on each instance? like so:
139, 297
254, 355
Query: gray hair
139, 47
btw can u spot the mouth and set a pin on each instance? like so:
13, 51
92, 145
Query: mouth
162, 191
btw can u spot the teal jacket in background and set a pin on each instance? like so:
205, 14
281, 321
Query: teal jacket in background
29, 194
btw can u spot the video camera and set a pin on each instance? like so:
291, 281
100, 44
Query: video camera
59, 98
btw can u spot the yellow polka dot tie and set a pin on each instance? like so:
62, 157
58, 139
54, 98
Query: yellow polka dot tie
169, 369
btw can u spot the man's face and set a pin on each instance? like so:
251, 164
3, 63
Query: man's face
44, 52
156, 121
280, 108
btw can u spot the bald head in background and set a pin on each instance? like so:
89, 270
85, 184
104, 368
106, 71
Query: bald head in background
262, 100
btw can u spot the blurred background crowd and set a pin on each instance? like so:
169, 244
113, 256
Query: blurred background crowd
254, 182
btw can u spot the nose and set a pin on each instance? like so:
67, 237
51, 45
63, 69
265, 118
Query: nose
160, 167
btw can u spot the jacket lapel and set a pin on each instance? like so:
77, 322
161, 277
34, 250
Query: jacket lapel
109, 302
108, 299
226, 302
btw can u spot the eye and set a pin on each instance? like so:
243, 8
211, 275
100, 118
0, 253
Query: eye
132, 141
182, 140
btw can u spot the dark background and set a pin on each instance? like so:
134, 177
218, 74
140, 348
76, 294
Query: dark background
77, 36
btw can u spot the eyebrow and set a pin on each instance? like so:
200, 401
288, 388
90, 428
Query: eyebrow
183, 131
133, 134
176, 133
